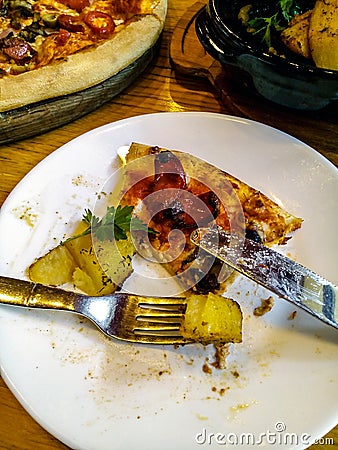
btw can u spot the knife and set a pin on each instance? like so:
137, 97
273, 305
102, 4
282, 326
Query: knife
269, 268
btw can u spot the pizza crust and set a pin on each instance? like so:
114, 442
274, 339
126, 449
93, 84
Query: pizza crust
86, 68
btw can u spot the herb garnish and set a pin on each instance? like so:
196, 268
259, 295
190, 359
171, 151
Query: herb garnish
113, 225
266, 26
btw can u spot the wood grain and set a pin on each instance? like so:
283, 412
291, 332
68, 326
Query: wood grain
160, 88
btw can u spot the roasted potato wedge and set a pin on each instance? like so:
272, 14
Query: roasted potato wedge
295, 36
82, 281
76, 262
323, 34
212, 318
85, 258
54, 268
115, 258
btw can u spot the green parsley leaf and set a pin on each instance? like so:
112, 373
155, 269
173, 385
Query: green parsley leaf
89, 218
113, 225
287, 7
266, 26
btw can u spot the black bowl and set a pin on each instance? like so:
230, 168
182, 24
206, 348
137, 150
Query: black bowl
288, 81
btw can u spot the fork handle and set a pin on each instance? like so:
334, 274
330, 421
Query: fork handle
25, 293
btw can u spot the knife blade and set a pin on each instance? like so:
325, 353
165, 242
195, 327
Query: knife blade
269, 268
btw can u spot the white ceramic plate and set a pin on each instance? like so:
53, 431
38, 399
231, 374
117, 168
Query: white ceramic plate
281, 384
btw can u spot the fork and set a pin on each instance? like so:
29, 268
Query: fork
133, 318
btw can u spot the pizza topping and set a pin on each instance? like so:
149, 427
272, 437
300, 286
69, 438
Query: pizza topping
78, 5
70, 23
3, 7
169, 172
212, 202
125, 8
62, 37
193, 211
31, 32
50, 20
18, 50
21, 8
100, 23
168, 197
253, 235
6, 33
223, 221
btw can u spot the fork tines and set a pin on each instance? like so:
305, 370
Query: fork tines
160, 317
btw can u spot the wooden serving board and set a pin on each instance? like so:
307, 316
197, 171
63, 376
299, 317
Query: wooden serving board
49, 114
189, 58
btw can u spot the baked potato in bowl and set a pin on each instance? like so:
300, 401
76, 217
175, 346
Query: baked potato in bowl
246, 37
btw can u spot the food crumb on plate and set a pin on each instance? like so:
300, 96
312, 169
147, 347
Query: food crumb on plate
206, 368
25, 213
221, 354
220, 391
293, 315
265, 307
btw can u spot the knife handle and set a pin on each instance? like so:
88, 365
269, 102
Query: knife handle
330, 303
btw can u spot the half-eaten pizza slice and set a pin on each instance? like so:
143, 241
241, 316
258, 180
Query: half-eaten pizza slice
175, 193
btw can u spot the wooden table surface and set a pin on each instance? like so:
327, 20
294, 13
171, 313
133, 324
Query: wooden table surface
160, 88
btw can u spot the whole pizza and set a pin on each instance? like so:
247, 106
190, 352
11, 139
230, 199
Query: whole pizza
50, 48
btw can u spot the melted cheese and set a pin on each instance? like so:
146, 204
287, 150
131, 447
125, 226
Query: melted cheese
51, 6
